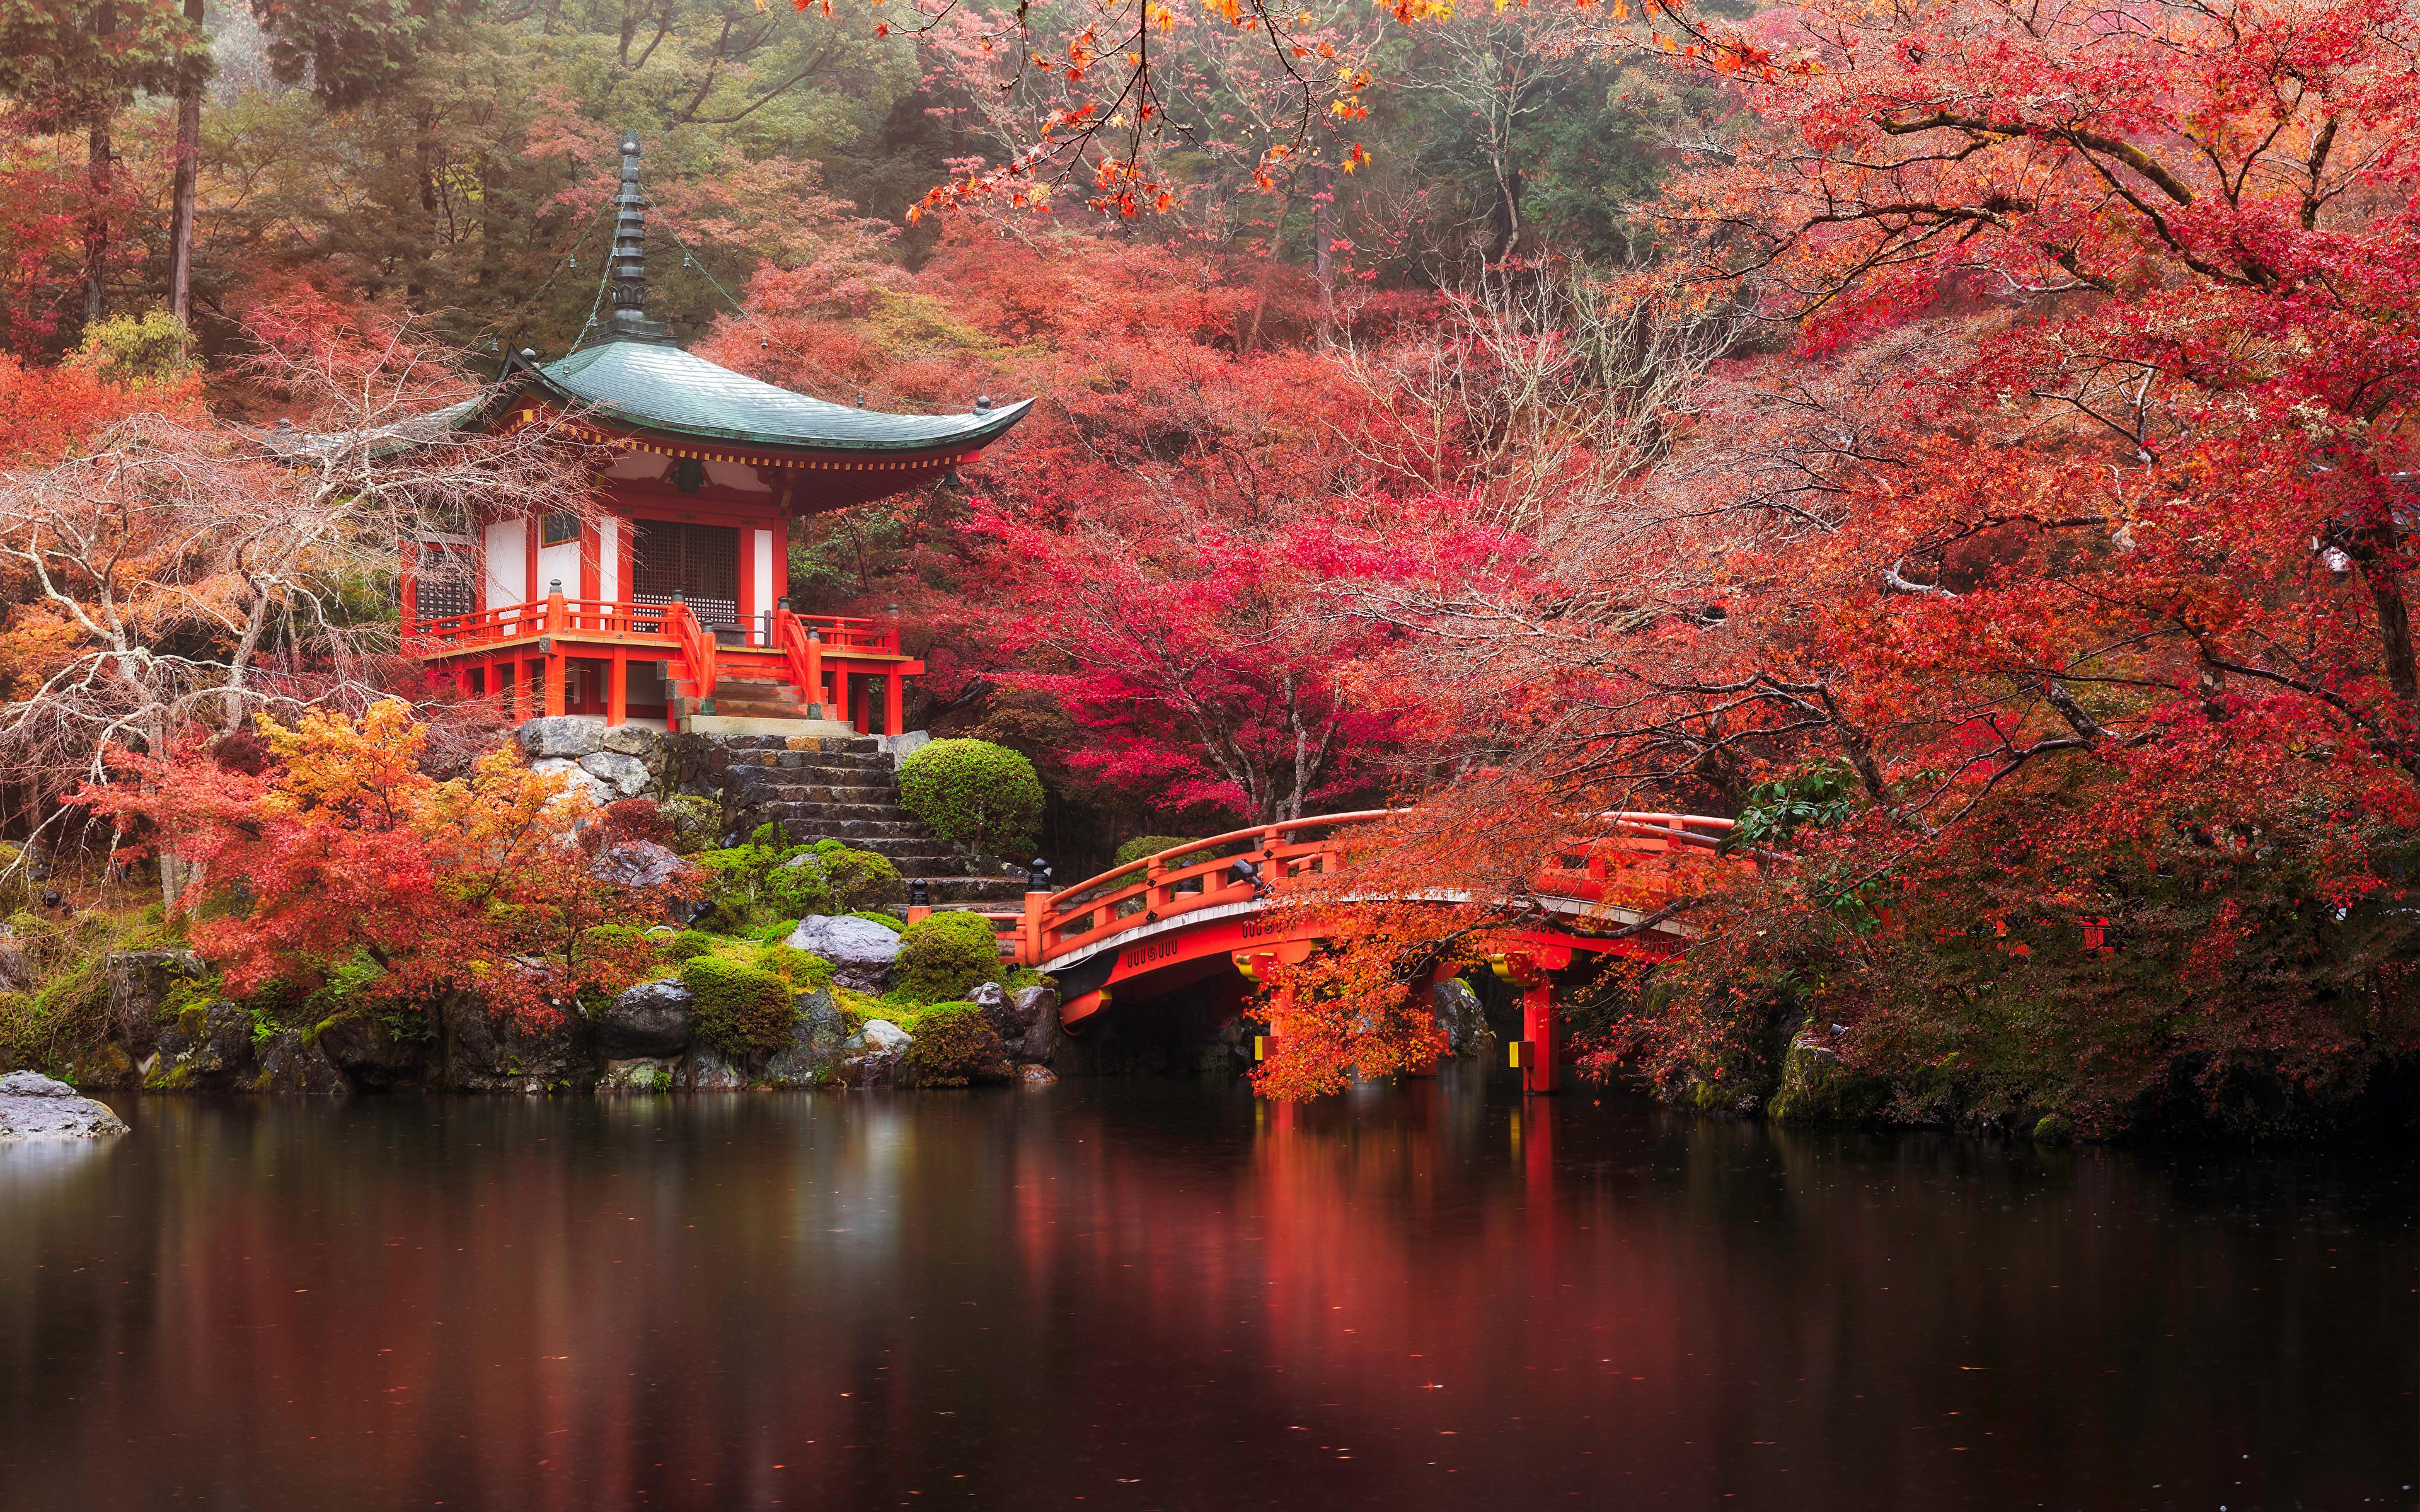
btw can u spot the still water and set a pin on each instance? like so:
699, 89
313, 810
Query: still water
1138, 1294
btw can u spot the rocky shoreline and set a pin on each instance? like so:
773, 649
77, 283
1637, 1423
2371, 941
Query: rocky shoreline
165, 1037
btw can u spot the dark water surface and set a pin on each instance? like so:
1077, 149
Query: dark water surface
1152, 1294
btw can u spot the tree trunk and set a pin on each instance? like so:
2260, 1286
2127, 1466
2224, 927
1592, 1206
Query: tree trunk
189, 168
96, 219
1323, 233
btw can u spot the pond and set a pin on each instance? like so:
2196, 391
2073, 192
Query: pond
1129, 1294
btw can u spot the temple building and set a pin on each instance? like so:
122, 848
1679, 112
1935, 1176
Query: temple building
670, 602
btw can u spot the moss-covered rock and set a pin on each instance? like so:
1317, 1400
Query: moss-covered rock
743, 1010
1818, 1088
953, 1044
2055, 1129
944, 956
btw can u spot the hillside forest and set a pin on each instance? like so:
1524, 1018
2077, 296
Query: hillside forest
1970, 442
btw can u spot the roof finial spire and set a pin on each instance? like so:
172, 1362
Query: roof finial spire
629, 321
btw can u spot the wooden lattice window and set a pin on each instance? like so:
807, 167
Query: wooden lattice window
701, 563
554, 529
442, 581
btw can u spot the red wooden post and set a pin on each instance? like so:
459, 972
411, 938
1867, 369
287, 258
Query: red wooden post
617, 686
894, 714
1528, 968
816, 702
1538, 1033
1030, 941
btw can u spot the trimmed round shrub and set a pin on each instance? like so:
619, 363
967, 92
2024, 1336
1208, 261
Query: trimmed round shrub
741, 1011
1142, 847
1145, 845
950, 1043
974, 792
945, 956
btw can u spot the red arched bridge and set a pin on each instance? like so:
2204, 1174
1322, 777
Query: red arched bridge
1213, 908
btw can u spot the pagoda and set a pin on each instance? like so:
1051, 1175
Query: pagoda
670, 602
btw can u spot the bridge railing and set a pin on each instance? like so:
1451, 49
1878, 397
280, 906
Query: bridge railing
1636, 859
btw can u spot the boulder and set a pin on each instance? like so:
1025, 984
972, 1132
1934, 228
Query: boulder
16, 966
651, 1019
708, 1071
635, 863
581, 782
1043, 1041
875, 1056
369, 1050
139, 984
1036, 1076
861, 951
814, 1044
492, 1053
301, 1067
641, 1075
1459, 1016
629, 739
563, 735
204, 1046
1817, 1087
993, 1001
33, 1106
627, 776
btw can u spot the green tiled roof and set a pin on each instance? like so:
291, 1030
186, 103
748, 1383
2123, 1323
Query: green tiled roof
657, 386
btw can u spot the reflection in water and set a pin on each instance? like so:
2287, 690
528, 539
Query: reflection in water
1151, 1294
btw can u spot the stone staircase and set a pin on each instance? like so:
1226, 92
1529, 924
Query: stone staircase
847, 788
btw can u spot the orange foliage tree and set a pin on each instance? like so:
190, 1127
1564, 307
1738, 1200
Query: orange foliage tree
327, 843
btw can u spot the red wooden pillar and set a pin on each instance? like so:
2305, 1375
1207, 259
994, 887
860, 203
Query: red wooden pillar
1538, 1034
894, 713
617, 686
1528, 967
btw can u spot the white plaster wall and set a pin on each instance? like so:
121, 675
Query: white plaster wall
507, 550
764, 582
608, 560
560, 559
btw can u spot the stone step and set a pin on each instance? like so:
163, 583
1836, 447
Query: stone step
993, 893
818, 794
785, 726
833, 814
797, 766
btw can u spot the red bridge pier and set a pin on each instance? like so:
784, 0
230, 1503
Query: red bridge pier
1530, 969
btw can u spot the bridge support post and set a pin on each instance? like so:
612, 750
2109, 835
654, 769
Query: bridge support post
1538, 1039
1528, 968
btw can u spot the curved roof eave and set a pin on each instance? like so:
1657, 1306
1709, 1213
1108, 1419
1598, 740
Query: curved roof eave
660, 391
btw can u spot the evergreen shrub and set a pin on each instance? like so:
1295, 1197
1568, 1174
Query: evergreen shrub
944, 956
974, 792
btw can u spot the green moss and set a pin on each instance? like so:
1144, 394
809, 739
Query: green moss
742, 1010
690, 943
858, 879
944, 956
950, 1043
1816, 1088
2055, 1129
886, 920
